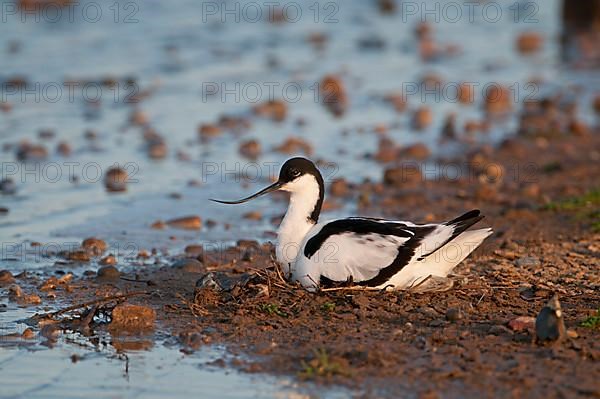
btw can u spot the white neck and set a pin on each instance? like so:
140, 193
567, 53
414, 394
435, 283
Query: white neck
296, 224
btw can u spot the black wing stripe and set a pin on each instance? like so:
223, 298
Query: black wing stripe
460, 224
357, 226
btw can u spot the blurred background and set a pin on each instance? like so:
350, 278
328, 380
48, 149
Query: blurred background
118, 119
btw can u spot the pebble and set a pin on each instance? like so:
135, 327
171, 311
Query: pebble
453, 314
31, 152
387, 6
466, 93
95, 246
250, 149
402, 175
115, 179
253, 215
422, 118
498, 100
108, 260
549, 323
273, 109
157, 150
415, 151
190, 266
333, 95
522, 323
339, 188
108, 273
77, 255
207, 131
194, 250
6, 278
186, 223
529, 42
397, 101
294, 145
27, 334
528, 261
8, 186
63, 148
132, 317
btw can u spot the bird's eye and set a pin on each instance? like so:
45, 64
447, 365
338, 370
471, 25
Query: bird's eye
294, 172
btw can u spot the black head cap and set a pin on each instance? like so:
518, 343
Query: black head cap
293, 168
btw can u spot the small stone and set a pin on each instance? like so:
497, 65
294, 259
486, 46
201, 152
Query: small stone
6, 278
3, 211
108, 273
498, 99
109, 260
333, 95
157, 150
529, 42
339, 188
78, 255
207, 131
572, 334
158, 225
132, 317
8, 186
186, 223
528, 261
31, 152
453, 314
116, 179
522, 323
422, 118
194, 250
498, 330
14, 292
549, 324
415, 151
190, 266
95, 246
253, 215
402, 175
64, 149
27, 334
294, 145
250, 149
398, 101
274, 109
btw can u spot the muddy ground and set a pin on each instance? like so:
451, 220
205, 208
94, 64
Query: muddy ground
541, 196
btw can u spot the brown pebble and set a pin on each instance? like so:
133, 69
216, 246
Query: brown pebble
549, 323
132, 317
108, 273
273, 109
250, 149
190, 265
498, 99
397, 101
95, 246
159, 225
109, 260
529, 42
453, 314
294, 145
522, 323
194, 250
415, 151
115, 179
402, 175
253, 215
27, 334
339, 188
207, 131
31, 152
6, 278
333, 95
422, 118
186, 223
64, 149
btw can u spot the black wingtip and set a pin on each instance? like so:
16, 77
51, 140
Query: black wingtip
475, 213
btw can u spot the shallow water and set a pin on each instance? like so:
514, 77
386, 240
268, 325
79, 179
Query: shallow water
179, 52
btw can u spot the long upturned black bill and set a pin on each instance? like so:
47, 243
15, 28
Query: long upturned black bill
273, 187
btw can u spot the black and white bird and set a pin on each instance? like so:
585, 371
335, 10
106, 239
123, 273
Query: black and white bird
365, 251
